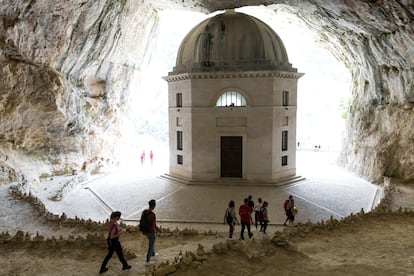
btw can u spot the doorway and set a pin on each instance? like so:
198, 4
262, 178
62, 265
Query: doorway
231, 156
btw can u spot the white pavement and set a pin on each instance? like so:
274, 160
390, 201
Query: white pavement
327, 191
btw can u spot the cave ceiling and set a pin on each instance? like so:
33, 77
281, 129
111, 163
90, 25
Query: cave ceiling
67, 68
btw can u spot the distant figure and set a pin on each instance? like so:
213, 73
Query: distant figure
245, 218
143, 157
230, 218
289, 207
257, 212
152, 228
250, 203
114, 231
151, 156
265, 218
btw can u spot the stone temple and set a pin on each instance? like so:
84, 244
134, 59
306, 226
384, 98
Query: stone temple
232, 103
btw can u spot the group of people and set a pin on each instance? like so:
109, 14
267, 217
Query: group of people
260, 215
151, 156
245, 213
114, 231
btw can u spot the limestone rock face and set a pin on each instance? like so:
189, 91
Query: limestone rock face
375, 39
67, 69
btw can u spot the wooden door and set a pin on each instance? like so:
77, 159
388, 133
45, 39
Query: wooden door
231, 156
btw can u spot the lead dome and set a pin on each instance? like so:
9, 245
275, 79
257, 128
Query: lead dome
231, 41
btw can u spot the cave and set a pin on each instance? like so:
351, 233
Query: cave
68, 72
68, 69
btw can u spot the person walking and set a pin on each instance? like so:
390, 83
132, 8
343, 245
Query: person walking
250, 203
152, 157
289, 207
245, 218
257, 212
230, 218
152, 228
114, 245
265, 219
142, 157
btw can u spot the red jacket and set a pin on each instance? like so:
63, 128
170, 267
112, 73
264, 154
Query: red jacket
244, 212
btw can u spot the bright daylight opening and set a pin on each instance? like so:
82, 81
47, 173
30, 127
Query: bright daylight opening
322, 92
231, 98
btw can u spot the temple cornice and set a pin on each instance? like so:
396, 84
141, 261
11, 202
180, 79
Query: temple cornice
232, 75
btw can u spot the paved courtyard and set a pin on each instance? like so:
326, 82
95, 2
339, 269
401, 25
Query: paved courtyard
326, 191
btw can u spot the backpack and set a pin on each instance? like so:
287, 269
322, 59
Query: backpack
229, 218
143, 222
260, 215
286, 204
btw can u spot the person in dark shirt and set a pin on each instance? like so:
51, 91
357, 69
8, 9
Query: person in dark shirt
114, 245
230, 218
250, 203
152, 229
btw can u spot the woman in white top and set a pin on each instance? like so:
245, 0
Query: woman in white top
257, 214
265, 221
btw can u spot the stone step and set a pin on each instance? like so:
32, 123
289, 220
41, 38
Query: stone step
233, 181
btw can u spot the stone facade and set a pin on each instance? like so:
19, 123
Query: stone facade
209, 142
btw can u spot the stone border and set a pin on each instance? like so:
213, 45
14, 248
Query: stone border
184, 260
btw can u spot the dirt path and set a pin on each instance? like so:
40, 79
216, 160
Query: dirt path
374, 245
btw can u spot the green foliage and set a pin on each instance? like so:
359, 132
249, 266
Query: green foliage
155, 14
344, 107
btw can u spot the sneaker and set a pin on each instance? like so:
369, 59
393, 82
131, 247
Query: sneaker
126, 267
155, 254
103, 270
150, 263
250, 236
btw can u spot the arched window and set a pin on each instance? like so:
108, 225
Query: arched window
231, 98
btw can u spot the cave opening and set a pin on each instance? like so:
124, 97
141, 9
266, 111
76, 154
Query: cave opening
322, 93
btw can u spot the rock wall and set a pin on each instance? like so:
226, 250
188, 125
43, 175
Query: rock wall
68, 68
375, 39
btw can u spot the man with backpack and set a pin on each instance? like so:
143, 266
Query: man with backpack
149, 227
